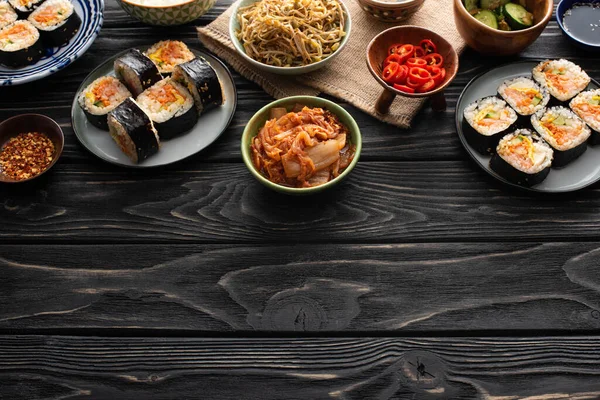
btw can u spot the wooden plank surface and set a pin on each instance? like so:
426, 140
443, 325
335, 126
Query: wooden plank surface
310, 288
347, 369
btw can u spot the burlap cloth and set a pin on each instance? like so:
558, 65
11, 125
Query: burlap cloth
347, 77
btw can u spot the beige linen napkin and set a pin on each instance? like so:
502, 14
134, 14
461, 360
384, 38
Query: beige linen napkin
347, 77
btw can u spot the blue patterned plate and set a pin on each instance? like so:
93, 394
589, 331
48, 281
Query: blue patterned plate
57, 58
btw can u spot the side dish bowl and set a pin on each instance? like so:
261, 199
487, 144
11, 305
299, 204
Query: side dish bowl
259, 119
169, 15
391, 11
561, 9
234, 26
494, 42
25, 123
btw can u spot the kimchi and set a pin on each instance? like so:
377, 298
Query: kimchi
303, 148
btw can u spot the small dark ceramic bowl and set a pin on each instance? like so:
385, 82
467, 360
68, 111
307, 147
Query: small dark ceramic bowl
32, 123
561, 9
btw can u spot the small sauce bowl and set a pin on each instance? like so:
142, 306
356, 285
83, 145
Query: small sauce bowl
561, 9
377, 51
26, 123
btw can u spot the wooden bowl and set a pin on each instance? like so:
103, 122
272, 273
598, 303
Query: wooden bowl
377, 51
494, 42
32, 123
391, 11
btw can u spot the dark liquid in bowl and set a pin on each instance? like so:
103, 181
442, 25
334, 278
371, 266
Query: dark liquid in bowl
582, 21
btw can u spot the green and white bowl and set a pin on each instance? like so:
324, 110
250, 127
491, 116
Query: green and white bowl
259, 119
234, 26
179, 14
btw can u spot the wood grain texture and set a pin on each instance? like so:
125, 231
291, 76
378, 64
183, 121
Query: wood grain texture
308, 288
347, 369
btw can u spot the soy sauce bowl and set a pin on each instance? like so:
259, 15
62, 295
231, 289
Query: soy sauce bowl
377, 51
561, 9
25, 123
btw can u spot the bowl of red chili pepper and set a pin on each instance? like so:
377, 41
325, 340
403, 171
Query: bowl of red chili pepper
30, 144
413, 62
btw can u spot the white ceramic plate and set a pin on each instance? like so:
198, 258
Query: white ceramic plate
576, 175
57, 58
208, 128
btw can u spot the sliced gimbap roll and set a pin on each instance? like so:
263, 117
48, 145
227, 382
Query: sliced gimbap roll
199, 77
20, 45
587, 106
563, 78
7, 14
57, 21
487, 120
522, 157
564, 131
170, 106
132, 129
136, 71
101, 97
169, 53
25, 7
524, 95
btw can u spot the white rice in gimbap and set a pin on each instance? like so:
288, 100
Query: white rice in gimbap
51, 15
587, 106
490, 115
25, 6
165, 100
169, 53
18, 36
525, 151
561, 128
563, 78
7, 14
101, 97
524, 95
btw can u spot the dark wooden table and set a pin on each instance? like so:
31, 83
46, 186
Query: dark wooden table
417, 278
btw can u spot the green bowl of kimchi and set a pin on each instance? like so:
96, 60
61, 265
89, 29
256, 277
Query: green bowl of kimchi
234, 29
291, 104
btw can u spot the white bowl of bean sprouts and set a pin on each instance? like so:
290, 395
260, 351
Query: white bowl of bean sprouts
290, 37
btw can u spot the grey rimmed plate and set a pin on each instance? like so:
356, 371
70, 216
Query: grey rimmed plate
207, 129
578, 174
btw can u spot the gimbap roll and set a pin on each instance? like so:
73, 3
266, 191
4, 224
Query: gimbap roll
199, 77
7, 14
20, 45
564, 131
524, 95
169, 53
587, 106
170, 106
563, 78
57, 22
523, 158
25, 7
101, 97
136, 71
487, 119
132, 129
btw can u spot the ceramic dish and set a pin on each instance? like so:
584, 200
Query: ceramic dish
25, 123
178, 14
259, 119
562, 8
579, 174
392, 10
57, 58
234, 26
208, 128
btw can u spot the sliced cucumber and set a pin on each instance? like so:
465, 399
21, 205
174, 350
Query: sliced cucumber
559, 121
493, 4
517, 16
471, 5
487, 17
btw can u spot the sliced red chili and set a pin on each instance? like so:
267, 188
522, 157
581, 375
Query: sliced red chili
389, 72
419, 75
397, 58
427, 87
406, 49
434, 60
401, 75
419, 52
416, 62
404, 88
428, 46
411, 83
438, 75
392, 49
